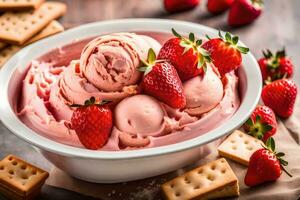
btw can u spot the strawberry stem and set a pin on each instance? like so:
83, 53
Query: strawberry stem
92, 101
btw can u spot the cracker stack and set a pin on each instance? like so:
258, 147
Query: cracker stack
20, 180
25, 22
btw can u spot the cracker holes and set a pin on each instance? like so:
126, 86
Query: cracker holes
177, 194
196, 187
200, 171
246, 142
11, 172
23, 167
1, 167
213, 167
33, 22
223, 171
240, 135
172, 185
232, 141
186, 180
49, 7
14, 162
41, 16
234, 147
24, 177
25, 28
250, 148
210, 177
222, 161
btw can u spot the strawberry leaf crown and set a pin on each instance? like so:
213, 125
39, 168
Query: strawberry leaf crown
149, 63
258, 129
270, 145
195, 44
232, 40
92, 101
257, 3
274, 60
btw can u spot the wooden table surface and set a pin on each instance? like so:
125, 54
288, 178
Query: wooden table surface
278, 26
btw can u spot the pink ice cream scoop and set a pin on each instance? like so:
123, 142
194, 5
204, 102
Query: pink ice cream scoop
139, 114
203, 93
110, 62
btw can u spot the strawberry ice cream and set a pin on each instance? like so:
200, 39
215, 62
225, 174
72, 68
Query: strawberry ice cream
107, 69
203, 93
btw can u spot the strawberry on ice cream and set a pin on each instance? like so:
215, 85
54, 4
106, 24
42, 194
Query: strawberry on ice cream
108, 69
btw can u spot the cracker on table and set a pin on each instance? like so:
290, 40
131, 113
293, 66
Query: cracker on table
53, 28
7, 53
19, 5
19, 27
239, 147
19, 179
213, 180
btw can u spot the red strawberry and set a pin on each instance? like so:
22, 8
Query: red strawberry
274, 67
265, 165
180, 5
218, 6
225, 53
280, 95
92, 123
244, 12
162, 81
262, 123
186, 55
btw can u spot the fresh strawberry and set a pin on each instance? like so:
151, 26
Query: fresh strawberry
280, 95
162, 81
218, 6
244, 12
92, 123
265, 165
180, 5
274, 67
185, 54
226, 55
262, 123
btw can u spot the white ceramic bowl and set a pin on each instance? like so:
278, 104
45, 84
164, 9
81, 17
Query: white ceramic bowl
105, 166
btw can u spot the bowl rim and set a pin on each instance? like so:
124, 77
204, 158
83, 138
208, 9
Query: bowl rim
14, 124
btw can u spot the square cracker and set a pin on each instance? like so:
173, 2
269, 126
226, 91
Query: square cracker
19, 27
239, 147
19, 179
19, 5
7, 52
213, 180
51, 29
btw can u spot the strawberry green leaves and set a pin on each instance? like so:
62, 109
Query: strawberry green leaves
192, 43
233, 41
92, 101
148, 65
258, 129
270, 145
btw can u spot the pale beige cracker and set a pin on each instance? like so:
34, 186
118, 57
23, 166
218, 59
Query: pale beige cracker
239, 147
7, 53
19, 179
51, 29
19, 5
17, 28
213, 180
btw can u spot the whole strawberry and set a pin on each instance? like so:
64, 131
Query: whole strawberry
226, 55
162, 81
92, 123
218, 6
180, 5
265, 165
280, 95
274, 67
185, 54
244, 12
262, 123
